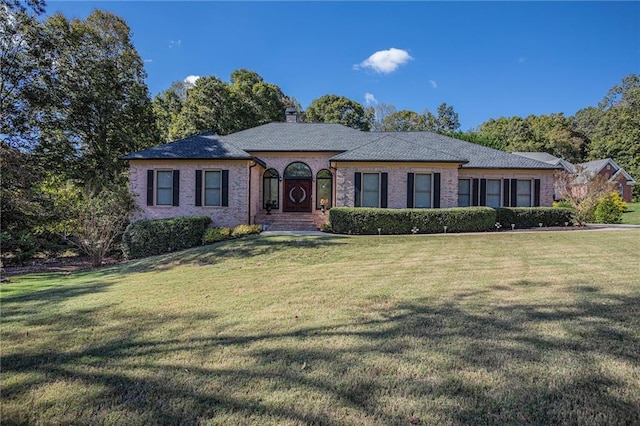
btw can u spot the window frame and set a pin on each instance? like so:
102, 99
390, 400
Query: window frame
518, 194
379, 190
330, 198
277, 181
157, 187
415, 190
204, 187
468, 194
499, 194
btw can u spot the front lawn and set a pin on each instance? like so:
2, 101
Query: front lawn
497, 328
632, 215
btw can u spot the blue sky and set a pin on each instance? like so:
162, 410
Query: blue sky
487, 59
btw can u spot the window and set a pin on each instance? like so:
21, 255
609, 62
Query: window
297, 170
523, 193
464, 192
370, 190
212, 188
493, 192
164, 187
324, 186
422, 191
271, 189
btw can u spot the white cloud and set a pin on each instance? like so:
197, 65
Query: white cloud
370, 99
385, 61
433, 84
191, 79
175, 43
148, 60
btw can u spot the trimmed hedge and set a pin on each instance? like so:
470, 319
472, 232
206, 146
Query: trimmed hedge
149, 237
366, 221
531, 217
215, 235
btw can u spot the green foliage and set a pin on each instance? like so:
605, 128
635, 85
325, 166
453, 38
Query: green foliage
447, 119
367, 221
338, 109
94, 103
404, 121
563, 204
215, 235
244, 230
326, 227
479, 139
150, 237
93, 221
532, 217
610, 208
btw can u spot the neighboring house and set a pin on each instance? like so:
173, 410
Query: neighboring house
606, 168
289, 169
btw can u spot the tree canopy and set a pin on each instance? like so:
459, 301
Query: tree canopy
339, 109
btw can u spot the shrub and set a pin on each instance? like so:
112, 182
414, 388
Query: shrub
326, 227
214, 235
149, 237
563, 204
610, 208
346, 220
530, 217
243, 230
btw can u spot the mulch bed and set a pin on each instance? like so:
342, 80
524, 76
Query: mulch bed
62, 264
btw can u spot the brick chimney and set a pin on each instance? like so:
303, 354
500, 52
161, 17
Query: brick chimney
291, 115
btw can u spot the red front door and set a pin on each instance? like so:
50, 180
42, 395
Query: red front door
297, 195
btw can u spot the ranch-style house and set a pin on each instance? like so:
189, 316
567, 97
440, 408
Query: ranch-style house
284, 173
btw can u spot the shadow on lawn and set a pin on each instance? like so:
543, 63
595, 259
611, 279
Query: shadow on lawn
245, 248
440, 360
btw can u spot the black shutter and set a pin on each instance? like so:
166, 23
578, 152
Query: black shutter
225, 188
198, 187
475, 190
358, 189
410, 179
483, 192
505, 192
384, 178
436, 190
514, 193
150, 176
536, 193
176, 187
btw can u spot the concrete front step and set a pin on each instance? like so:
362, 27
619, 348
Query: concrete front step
292, 221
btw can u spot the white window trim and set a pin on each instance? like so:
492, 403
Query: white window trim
156, 187
204, 188
379, 189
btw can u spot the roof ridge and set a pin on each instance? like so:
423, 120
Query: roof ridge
431, 148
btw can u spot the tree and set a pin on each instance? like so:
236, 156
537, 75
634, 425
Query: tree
582, 190
167, 107
380, 112
404, 121
93, 221
447, 119
339, 109
617, 133
96, 103
24, 59
255, 102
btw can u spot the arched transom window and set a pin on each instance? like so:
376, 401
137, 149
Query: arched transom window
298, 170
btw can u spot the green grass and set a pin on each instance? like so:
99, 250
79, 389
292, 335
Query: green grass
499, 328
632, 215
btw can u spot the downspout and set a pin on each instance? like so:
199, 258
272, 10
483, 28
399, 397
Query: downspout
254, 163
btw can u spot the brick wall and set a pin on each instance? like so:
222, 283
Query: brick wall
546, 179
397, 183
236, 213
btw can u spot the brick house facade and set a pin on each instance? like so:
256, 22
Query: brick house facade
287, 169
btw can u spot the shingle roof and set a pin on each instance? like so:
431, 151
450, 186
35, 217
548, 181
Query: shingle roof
327, 137
350, 144
389, 147
478, 156
595, 166
547, 158
205, 145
